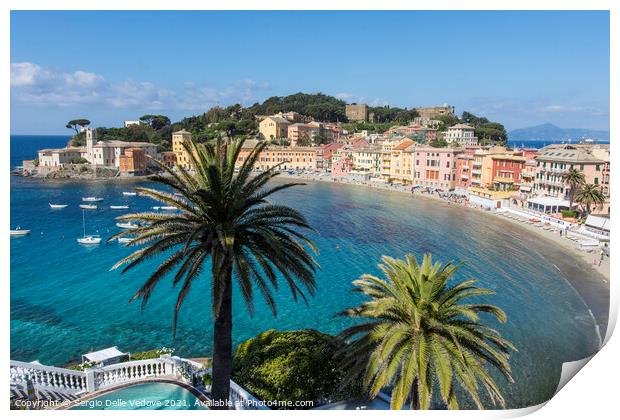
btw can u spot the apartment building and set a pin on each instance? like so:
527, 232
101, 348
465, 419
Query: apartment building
274, 127
461, 134
435, 166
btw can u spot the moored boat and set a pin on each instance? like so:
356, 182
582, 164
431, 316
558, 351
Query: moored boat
20, 232
88, 239
125, 240
88, 206
92, 199
58, 206
127, 225
130, 193
119, 207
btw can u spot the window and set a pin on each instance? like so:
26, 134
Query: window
596, 180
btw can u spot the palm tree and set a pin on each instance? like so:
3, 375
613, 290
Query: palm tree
574, 179
588, 195
225, 217
418, 335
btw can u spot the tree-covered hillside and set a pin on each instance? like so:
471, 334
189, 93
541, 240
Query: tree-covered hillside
241, 122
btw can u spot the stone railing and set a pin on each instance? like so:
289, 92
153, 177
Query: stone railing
47, 378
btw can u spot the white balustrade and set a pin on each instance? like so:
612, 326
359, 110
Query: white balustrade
133, 371
47, 377
243, 400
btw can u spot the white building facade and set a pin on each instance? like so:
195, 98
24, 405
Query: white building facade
461, 134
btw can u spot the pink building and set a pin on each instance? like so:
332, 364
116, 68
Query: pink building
343, 166
435, 166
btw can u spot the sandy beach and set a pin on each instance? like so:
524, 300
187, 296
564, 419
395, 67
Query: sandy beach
590, 259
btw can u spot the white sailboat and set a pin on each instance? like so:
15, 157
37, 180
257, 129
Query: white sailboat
58, 206
119, 207
127, 225
92, 199
88, 206
130, 193
90, 239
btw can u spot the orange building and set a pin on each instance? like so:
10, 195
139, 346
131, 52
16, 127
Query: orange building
290, 158
133, 161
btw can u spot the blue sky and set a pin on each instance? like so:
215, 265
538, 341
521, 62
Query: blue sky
519, 68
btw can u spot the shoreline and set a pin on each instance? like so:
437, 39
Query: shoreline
593, 292
561, 241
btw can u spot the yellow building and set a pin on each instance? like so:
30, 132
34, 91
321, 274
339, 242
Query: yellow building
178, 138
401, 162
289, 158
274, 127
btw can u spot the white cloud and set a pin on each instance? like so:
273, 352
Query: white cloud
35, 85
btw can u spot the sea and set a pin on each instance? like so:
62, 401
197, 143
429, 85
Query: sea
65, 300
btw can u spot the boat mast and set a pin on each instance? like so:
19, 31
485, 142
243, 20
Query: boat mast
84, 222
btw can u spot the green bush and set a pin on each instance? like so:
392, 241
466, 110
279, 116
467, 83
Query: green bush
293, 366
207, 380
569, 213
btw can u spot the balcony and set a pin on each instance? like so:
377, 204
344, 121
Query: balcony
466, 168
476, 172
464, 177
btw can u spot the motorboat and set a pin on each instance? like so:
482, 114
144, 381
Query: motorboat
88, 239
58, 206
88, 206
119, 207
127, 225
20, 232
92, 199
125, 240
129, 193
168, 208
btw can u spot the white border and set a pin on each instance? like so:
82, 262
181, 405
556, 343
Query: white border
592, 394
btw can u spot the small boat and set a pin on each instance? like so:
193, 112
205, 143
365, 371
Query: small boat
125, 240
88, 206
58, 206
92, 199
20, 232
130, 193
168, 208
119, 207
127, 225
88, 239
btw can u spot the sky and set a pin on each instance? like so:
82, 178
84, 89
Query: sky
519, 68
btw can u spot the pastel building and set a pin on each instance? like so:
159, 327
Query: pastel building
554, 161
299, 132
401, 164
108, 152
53, 158
461, 134
133, 161
435, 166
274, 127
179, 140
289, 158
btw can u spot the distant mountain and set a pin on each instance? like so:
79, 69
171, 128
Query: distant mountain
550, 132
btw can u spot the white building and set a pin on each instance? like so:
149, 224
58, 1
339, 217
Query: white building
108, 152
462, 134
49, 158
129, 123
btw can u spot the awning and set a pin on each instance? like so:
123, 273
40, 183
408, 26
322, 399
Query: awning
103, 355
549, 201
598, 222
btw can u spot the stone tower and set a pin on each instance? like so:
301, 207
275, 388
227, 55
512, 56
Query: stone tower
90, 141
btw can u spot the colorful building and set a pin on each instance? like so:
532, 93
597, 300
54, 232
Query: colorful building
435, 166
179, 139
289, 158
554, 161
133, 161
274, 127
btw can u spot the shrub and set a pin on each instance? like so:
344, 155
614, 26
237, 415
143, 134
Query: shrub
293, 366
207, 380
569, 214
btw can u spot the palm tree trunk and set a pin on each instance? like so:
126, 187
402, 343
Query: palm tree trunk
572, 197
222, 349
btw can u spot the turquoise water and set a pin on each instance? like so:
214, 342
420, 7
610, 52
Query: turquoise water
155, 396
65, 301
